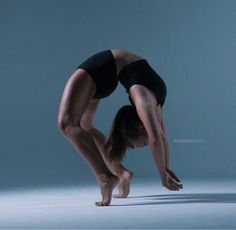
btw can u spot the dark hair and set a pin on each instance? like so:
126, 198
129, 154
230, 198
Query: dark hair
125, 127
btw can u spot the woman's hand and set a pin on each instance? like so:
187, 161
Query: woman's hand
173, 175
170, 183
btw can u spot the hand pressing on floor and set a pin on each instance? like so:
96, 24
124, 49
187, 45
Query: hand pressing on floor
170, 183
173, 175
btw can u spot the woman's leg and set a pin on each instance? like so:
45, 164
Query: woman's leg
116, 168
78, 91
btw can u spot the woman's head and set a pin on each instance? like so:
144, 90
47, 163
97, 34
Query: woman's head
127, 132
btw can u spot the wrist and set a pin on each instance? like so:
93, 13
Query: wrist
163, 174
167, 168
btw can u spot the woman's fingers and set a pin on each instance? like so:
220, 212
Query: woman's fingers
173, 175
174, 185
170, 183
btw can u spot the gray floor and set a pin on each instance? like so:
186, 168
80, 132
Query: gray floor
201, 204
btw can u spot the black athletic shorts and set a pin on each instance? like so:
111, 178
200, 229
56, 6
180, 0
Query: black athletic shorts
102, 68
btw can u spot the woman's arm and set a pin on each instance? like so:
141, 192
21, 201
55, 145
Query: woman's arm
146, 112
163, 134
164, 138
146, 109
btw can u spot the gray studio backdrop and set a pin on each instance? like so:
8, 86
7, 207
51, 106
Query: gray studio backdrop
191, 44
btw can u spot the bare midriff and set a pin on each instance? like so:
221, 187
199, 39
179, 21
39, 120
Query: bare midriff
123, 58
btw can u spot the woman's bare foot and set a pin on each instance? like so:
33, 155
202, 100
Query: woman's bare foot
124, 184
106, 186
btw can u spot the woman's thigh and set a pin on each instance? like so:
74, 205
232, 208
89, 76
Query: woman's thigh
78, 92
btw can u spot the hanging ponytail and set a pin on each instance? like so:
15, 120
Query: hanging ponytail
124, 128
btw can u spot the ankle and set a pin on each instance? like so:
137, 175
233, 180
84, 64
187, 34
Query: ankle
127, 174
106, 178
124, 174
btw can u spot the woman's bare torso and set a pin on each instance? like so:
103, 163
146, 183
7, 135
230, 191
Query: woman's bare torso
122, 58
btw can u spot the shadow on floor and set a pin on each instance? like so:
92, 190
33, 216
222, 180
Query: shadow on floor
183, 199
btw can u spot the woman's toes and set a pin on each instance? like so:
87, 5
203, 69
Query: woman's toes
98, 203
119, 196
102, 203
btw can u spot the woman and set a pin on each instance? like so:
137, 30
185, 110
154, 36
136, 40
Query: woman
96, 78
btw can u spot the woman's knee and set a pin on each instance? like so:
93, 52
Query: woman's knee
86, 125
77, 95
66, 125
